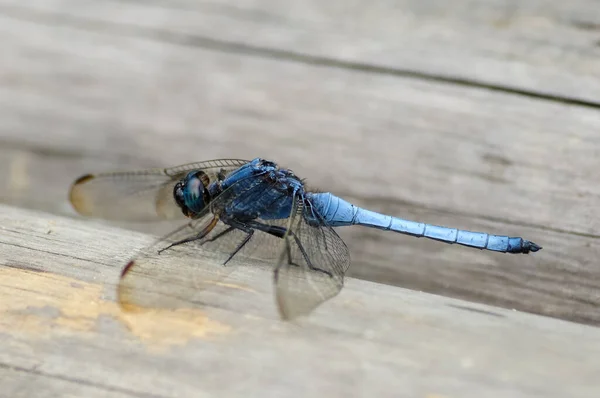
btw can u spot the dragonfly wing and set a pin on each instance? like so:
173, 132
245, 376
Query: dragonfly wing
175, 277
211, 167
144, 195
311, 265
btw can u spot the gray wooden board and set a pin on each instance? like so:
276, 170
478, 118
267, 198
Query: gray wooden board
63, 334
75, 99
25, 382
546, 48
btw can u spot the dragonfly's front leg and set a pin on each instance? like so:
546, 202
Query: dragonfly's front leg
205, 231
219, 235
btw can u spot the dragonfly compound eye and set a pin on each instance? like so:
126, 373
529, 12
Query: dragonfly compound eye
179, 198
191, 193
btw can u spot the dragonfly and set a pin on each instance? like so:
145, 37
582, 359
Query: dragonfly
248, 209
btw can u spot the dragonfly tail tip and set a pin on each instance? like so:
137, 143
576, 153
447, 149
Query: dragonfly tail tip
531, 247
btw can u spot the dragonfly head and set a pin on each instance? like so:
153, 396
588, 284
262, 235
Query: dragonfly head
191, 193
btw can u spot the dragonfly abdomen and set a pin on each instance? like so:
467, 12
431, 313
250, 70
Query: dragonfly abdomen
338, 212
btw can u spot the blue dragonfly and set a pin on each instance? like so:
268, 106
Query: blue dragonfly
247, 209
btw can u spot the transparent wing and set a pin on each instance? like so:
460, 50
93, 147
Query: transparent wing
143, 195
175, 277
312, 263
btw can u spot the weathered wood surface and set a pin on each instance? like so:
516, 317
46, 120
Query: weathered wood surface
80, 96
62, 334
536, 47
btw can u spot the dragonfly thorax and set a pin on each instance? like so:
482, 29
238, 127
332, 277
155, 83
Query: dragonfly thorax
191, 193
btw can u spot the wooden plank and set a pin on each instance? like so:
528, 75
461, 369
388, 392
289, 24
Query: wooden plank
22, 382
535, 47
63, 334
75, 99
477, 141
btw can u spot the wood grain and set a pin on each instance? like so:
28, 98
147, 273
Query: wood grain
536, 48
62, 333
79, 97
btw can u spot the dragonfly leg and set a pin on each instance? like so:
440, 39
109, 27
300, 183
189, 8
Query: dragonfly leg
289, 255
200, 235
220, 234
250, 232
307, 259
305, 255
235, 224
274, 230
280, 233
